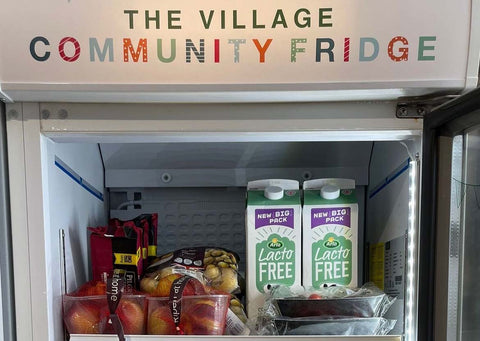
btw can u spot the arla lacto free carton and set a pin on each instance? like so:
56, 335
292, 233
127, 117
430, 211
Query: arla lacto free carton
330, 224
273, 227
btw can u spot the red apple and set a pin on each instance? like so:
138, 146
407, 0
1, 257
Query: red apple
83, 317
92, 288
203, 318
160, 321
131, 316
314, 297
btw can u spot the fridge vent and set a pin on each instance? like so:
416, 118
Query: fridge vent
191, 217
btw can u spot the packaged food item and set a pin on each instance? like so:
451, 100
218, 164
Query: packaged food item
149, 224
367, 301
113, 248
87, 311
199, 312
138, 227
217, 267
199, 315
330, 224
333, 326
236, 323
325, 311
273, 219
152, 221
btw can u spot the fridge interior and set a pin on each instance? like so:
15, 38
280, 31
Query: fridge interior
199, 190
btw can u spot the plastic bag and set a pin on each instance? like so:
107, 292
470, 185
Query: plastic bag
217, 267
367, 301
333, 326
332, 310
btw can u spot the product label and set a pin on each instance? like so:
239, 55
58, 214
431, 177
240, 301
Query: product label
266, 217
127, 258
115, 286
323, 216
332, 260
275, 261
152, 251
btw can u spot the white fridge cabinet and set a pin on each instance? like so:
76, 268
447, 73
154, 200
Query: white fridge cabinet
71, 162
120, 107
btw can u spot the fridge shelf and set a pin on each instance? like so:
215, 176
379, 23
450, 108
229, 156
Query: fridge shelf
78, 337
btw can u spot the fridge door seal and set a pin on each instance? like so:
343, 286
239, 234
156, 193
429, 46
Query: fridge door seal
7, 305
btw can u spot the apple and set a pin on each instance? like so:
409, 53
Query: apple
131, 316
160, 321
84, 317
202, 318
314, 297
92, 288
148, 284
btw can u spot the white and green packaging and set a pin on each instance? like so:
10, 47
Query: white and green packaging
273, 227
330, 225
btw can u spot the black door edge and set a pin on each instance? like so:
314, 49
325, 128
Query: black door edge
449, 119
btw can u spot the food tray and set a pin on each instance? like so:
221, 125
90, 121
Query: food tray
354, 306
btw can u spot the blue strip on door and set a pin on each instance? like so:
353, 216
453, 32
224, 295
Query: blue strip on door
78, 179
395, 174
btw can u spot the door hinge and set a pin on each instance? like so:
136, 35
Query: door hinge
418, 107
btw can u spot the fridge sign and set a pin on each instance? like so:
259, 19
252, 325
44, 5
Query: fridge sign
208, 51
234, 42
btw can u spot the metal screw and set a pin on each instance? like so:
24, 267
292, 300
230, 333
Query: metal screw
12, 114
307, 175
166, 177
402, 111
421, 111
45, 114
62, 114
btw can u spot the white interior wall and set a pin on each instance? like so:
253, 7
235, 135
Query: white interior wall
387, 210
71, 207
388, 204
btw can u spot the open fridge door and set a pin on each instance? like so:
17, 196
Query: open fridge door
7, 310
449, 294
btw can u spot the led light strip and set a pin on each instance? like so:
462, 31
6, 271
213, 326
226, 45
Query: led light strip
412, 251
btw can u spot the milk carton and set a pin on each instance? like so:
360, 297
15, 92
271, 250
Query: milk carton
273, 227
330, 224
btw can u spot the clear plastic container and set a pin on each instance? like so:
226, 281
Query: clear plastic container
90, 314
333, 326
200, 315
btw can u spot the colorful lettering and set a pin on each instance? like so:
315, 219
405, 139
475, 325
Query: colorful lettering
279, 19
236, 48
322, 16
294, 49
107, 49
199, 54
422, 48
346, 50
61, 49
34, 53
262, 49
141, 48
173, 51
328, 50
374, 53
403, 50
306, 20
